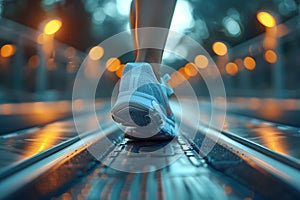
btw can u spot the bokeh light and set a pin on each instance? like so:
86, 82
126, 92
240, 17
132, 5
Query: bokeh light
119, 72
266, 19
52, 26
183, 74
249, 63
96, 53
190, 69
7, 50
231, 68
219, 48
270, 56
113, 64
201, 61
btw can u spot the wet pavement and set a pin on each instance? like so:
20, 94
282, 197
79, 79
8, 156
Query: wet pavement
92, 179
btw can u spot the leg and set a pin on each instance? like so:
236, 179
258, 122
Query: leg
142, 104
150, 13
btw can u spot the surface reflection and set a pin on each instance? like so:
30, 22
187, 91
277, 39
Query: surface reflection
25, 143
272, 138
47, 137
15, 148
282, 139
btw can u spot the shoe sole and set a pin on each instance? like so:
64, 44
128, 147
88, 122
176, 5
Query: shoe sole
138, 110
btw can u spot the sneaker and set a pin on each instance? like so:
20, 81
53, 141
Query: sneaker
142, 104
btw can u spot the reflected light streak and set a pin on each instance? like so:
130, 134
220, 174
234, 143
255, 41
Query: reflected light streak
48, 137
269, 137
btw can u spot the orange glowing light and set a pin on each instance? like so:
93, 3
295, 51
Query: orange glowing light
120, 70
7, 50
113, 64
270, 56
220, 48
33, 61
52, 26
183, 74
190, 69
231, 68
201, 61
96, 53
178, 77
249, 63
266, 19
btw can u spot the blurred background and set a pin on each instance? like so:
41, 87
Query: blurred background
255, 44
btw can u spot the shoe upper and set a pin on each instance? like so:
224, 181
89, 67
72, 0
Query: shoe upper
140, 87
139, 77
